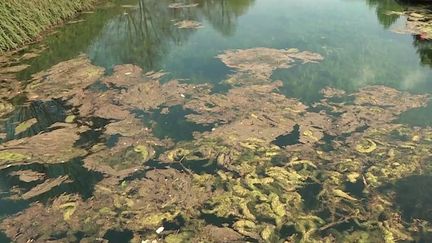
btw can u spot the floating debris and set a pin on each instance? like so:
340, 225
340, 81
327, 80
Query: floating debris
332, 92
134, 86
182, 5
160, 230
128, 6
188, 24
29, 55
76, 21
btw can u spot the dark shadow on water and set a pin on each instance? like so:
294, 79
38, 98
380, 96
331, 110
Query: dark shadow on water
46, 113
288, 139
176, 224
327, 142
417, 117
201, 166
218, 221
83, 182
9, 207
309, 194
172, 124
112, 140
116, 236
4, 238
287, 231
414, 197
355, 189
196, 166
90, 137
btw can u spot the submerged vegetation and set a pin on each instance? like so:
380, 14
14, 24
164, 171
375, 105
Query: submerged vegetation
21, 21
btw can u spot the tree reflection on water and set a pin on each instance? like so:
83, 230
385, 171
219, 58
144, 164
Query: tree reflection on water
144, 35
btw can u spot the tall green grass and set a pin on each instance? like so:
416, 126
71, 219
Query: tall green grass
23, 20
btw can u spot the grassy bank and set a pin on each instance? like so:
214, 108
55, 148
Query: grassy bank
21, 21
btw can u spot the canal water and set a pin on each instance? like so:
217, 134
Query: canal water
260, 121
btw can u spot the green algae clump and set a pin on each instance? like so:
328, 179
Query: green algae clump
11, 156
23, 126
367, 146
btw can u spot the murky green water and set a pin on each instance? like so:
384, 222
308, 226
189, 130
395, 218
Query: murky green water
343, 154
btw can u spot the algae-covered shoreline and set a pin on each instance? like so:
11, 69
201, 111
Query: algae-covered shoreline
22, 21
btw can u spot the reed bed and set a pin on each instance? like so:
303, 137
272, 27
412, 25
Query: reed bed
21, 21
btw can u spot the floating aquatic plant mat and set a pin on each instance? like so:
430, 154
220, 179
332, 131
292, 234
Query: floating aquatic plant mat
256, 65
341, 179
419, 22
182, 5
188, 24
63, 79
54, 146
28, 175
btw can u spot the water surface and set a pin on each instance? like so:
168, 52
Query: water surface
358, 49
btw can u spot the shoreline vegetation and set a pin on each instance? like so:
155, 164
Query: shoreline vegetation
22, 21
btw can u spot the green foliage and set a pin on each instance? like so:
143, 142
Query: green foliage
21, 20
